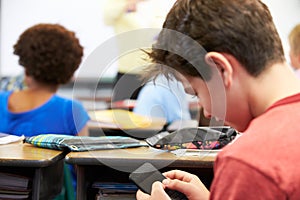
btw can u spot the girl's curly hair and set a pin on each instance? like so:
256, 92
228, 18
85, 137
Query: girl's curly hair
49, 53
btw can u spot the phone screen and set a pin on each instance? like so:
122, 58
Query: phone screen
145, 176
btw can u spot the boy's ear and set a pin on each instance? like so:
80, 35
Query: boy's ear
218, 60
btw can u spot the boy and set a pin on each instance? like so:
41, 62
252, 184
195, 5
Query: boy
244, 64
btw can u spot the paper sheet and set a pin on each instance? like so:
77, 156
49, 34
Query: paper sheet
6, 138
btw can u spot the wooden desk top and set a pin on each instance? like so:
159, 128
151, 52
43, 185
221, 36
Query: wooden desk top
134, 157
26, 155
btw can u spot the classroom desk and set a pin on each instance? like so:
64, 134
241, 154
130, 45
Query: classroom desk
101, 129
115, 165
98, 129
43, 166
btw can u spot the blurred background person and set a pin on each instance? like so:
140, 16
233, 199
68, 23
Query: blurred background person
294, 42
130, 15
164, 98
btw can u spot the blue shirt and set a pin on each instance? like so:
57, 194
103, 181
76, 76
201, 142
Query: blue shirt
163, 98
57, 116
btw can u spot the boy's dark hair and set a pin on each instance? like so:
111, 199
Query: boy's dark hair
243, 29
49, 53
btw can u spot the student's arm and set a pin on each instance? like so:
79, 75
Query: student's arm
80, 119
84, 131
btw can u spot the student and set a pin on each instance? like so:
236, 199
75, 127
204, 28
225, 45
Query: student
294, 41
163, 98
132, 15
261, 98
50, 54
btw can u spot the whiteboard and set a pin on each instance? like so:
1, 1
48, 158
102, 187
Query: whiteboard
85, 18
82, 17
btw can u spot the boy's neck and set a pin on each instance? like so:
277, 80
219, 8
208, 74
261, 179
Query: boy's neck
277, 82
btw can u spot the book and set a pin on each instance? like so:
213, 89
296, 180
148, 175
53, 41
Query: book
116, 197
115, 191
8, 180
14, 186
114, 187
13, 196
7, 138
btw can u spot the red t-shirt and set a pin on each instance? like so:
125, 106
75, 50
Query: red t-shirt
264, 162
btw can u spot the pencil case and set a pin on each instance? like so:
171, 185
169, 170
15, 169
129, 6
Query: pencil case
82, 143
193, 138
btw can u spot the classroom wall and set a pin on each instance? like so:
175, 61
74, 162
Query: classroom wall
285, 15
85, 18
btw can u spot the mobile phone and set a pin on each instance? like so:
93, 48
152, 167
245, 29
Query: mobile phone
145, 175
